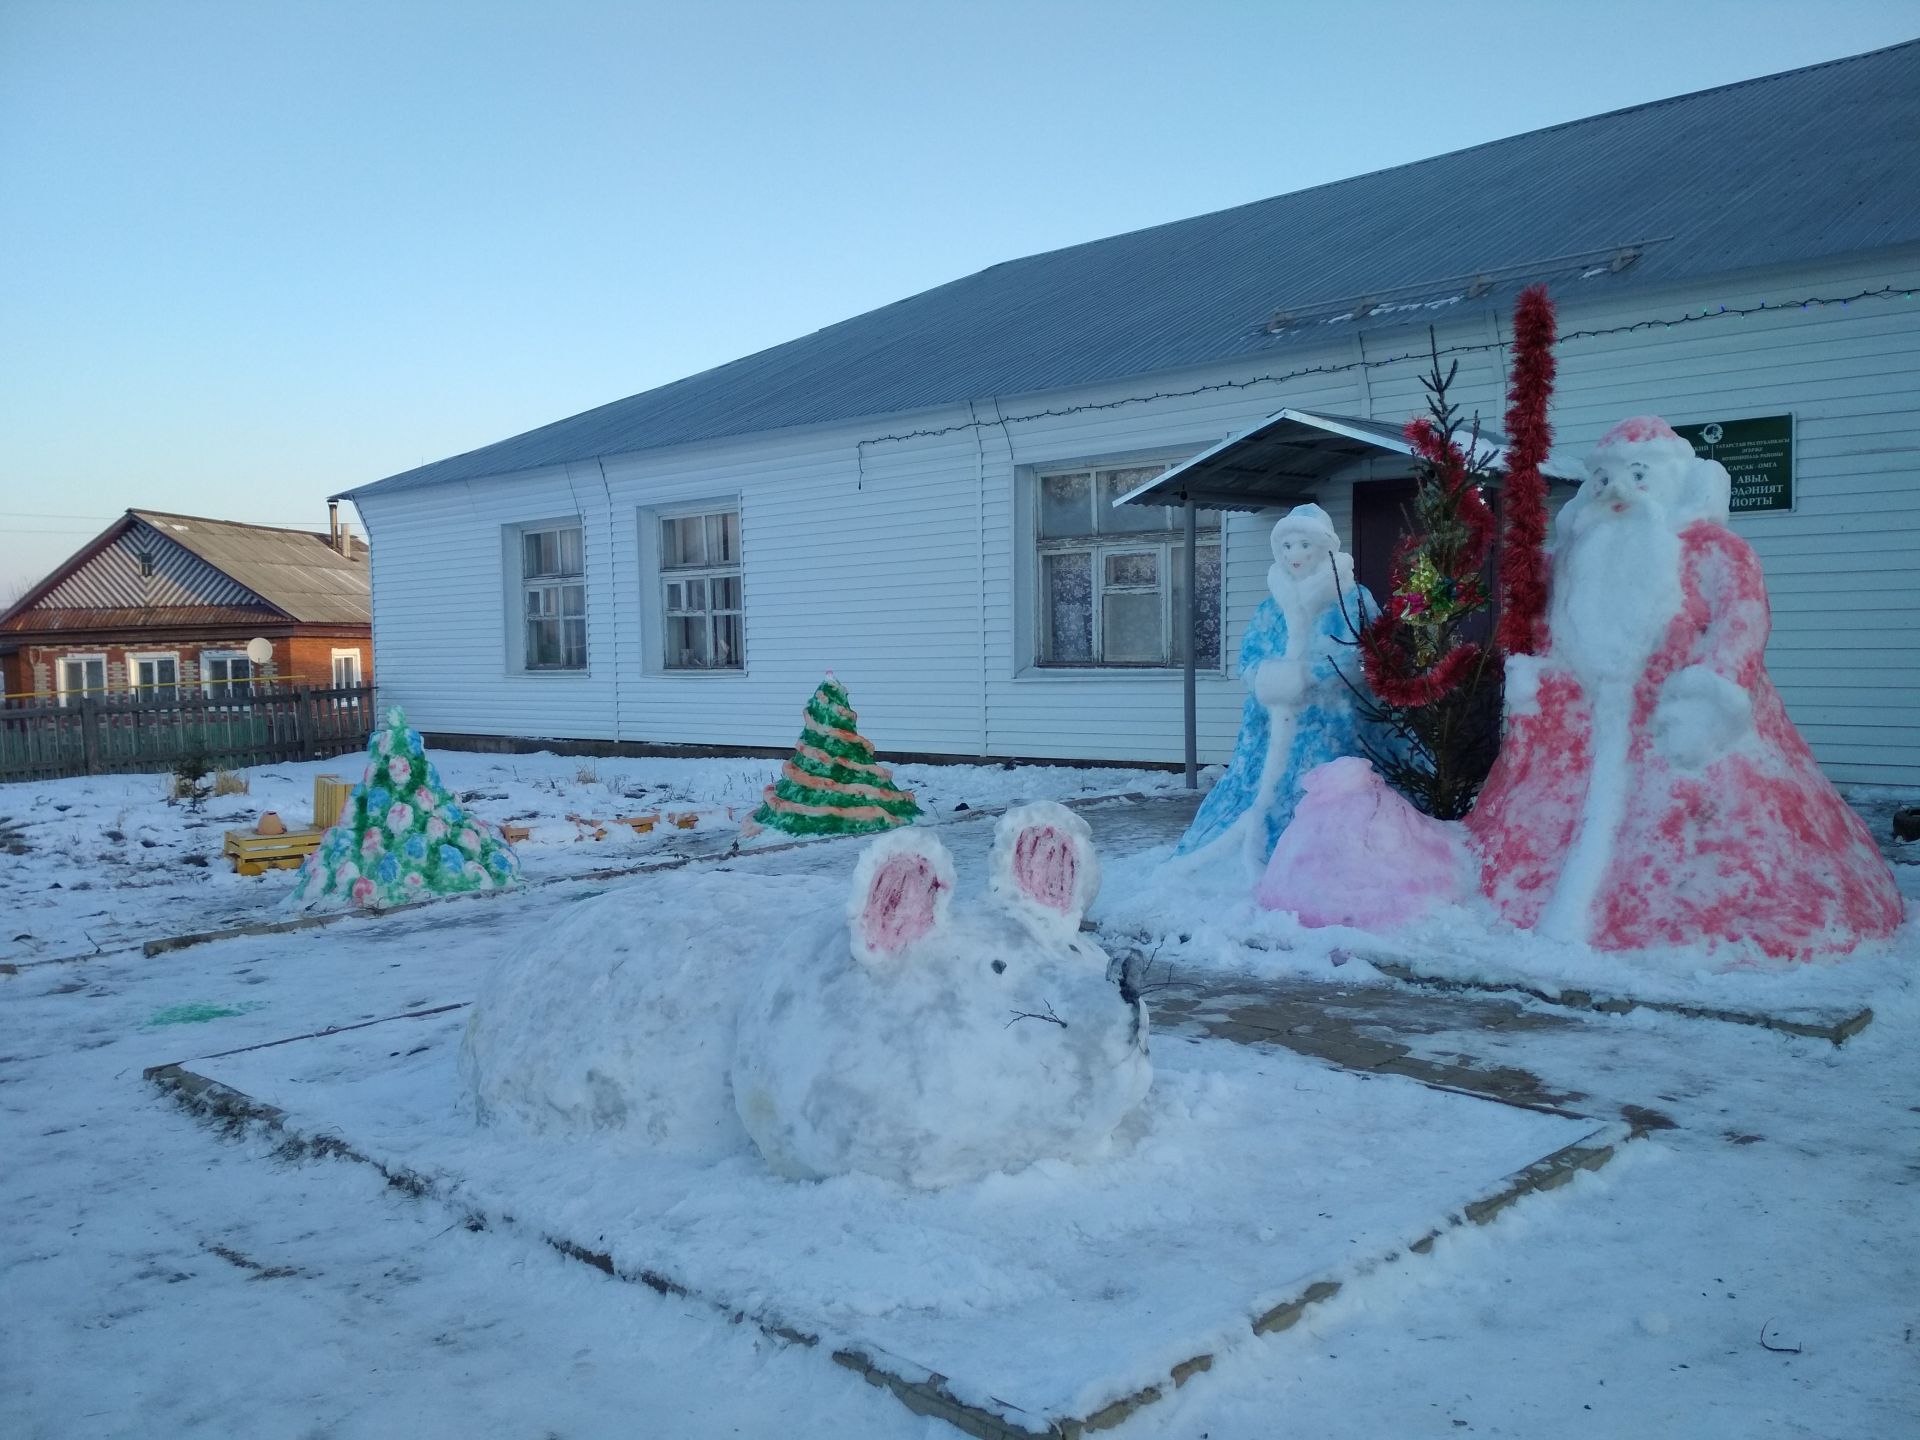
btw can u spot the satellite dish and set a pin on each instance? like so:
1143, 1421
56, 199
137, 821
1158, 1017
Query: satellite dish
259, 650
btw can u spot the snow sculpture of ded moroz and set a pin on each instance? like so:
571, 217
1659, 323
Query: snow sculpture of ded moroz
911, 1037
1650, 789
1301, 670
932, 1043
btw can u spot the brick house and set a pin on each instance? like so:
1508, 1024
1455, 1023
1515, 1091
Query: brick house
158, 604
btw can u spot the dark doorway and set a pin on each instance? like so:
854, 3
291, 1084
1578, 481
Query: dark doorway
1382, 518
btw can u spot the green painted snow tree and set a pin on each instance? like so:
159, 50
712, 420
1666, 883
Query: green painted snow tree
833, 785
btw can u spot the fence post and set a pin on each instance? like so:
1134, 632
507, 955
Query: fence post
90, 733
303, 712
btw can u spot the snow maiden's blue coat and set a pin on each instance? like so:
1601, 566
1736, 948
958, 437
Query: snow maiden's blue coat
1328, 724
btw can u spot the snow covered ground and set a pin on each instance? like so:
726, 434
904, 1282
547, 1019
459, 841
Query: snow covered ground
93, 862
1750, 1272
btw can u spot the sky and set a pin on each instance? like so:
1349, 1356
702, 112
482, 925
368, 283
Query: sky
253, 254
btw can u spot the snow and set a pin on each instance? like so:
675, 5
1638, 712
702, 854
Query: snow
161, 1280
1268, 1168
98, 861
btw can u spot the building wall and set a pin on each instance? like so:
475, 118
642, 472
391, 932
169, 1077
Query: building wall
904, 565
298, 660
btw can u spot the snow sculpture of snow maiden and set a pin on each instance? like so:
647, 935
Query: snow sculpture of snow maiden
911, 1038
1300, 710
401, 836
1650, 790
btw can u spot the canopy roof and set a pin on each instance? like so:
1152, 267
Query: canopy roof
1286, 458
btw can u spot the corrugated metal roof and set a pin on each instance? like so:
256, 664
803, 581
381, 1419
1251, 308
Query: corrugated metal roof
1287, 455
199, 567
295, 571
1795, 167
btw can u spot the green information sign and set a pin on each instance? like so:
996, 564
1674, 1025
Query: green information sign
1758, 455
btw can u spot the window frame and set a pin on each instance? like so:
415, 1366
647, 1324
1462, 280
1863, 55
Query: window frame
519, 585
1166, 543
207, 682
334, 658
656, 575
137, 658
84, 657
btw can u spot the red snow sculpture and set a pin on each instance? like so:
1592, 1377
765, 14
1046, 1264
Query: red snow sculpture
1651, 791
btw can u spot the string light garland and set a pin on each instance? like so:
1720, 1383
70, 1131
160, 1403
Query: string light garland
1690, 317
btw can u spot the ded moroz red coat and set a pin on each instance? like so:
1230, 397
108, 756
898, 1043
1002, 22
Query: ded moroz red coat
1657, 795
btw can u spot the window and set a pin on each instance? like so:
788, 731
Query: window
346, 669
81, 677
226, 674
1110, 580
700, 591
156, 677
553, 587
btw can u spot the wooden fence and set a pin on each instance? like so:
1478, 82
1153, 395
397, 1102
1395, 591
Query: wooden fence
121, 733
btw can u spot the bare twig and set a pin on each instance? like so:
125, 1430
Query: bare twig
1019, 1015
1776, 1349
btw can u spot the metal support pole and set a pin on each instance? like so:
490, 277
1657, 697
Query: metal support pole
1189, 677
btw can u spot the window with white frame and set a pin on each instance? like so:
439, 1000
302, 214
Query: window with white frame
346, 669
226, 674
1111, 581
156, 676
82, 676
553, 589
700, 598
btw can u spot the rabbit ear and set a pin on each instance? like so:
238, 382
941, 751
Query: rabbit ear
1043, 865
901, 889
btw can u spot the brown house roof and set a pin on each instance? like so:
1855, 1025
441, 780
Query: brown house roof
151, 568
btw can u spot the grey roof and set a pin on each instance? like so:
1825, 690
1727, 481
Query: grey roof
1794, 167
295, 571
1286, 456
151, 567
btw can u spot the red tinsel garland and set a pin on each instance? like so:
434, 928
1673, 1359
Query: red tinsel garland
1523, 566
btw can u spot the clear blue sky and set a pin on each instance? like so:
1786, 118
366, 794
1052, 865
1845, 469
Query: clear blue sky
252, 253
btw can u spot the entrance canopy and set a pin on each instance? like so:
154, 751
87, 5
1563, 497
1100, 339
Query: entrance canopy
1286, 458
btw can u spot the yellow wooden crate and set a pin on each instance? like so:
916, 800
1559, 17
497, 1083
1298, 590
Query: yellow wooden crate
330, 794
253, 853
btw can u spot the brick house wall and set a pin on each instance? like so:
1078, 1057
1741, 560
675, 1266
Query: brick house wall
299, 660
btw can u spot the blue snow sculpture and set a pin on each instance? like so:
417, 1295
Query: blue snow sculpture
1301, 669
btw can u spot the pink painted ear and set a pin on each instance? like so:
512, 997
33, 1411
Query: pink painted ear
901, 889
1043, 864
1045, 868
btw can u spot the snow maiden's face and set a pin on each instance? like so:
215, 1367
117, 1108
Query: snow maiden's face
1301, 554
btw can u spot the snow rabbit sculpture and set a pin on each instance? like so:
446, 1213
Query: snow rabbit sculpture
915, 1038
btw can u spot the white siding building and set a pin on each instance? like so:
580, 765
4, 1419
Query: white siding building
681, 567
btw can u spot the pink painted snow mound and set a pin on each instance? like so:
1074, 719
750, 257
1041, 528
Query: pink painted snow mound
1752, 849
1636, 430
1358, 854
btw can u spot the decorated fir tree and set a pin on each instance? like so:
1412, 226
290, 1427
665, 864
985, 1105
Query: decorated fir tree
833, 785
402, 836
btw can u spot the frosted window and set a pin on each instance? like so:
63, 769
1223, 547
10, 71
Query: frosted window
1069, 608
1111, 578
553, 568
1066, 505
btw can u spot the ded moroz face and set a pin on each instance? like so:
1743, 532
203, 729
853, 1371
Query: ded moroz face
1627, 475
